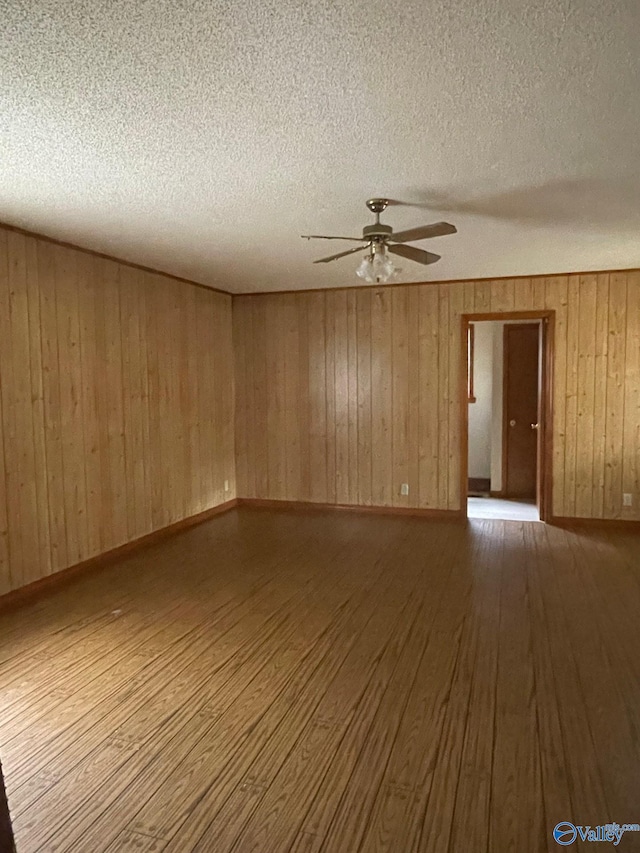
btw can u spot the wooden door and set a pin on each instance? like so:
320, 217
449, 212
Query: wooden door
521, 408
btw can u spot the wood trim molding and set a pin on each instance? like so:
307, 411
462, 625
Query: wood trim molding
106, 257
498, 315
479, 484
471, 354
307, 506
144, 268
631, 525
18, 597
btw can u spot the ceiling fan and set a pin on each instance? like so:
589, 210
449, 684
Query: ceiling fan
380, 239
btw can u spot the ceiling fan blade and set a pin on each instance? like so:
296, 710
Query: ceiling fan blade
324, 237
341, 255
413, 254
438, 229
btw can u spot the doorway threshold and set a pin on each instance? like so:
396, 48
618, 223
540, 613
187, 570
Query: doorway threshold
502, 510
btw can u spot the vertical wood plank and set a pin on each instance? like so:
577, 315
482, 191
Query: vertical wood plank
242, 328
330, 396
614, 426
571, 397
51, 393
341, 368
19, 445
317, 397
42, 563
482, 297
429, 420
352, 398
303, 402
141, 306
291, 408
456, 301
503, 295
262, 437
414, 390
631, 429
600, 395
10, 484
381, 404
585, 395
92, 425
399, 396
71, 403
556, 299
444, 355
116, 499
365, 449
274, 400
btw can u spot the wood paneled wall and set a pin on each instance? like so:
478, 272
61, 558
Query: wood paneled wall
116, 405
344, 395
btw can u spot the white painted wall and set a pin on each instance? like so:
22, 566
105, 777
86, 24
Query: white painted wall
480, 412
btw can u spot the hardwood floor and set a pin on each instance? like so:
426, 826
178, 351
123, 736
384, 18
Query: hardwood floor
329, 682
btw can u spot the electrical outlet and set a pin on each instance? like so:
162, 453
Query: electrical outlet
226, 485
627, 499
404, 488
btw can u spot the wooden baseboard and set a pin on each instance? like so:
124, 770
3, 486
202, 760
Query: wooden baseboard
24, 594
629, 524
479, 484
309, 506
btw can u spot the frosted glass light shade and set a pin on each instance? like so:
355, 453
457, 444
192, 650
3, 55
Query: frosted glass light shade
377, 268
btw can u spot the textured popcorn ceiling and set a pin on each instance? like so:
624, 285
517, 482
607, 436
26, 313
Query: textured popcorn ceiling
203, 137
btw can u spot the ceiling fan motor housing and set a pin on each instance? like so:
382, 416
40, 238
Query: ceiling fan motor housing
377, 205
378, 230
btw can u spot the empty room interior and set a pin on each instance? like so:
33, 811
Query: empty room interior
306, 547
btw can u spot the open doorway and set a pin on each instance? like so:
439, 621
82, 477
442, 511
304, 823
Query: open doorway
506, 415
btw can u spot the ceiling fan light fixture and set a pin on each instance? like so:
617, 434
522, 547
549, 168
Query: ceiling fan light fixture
377, 268
380, 240
365, 269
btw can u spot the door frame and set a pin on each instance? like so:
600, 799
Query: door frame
545, 404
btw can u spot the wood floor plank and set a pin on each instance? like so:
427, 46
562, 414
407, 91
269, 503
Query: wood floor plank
340, 811
321, 682
461, 778
256, 688
612, 694
284, 721
153, 720
555, 783
133, 841
186, 657
516, 813
396, 816
581, 765
139, 785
